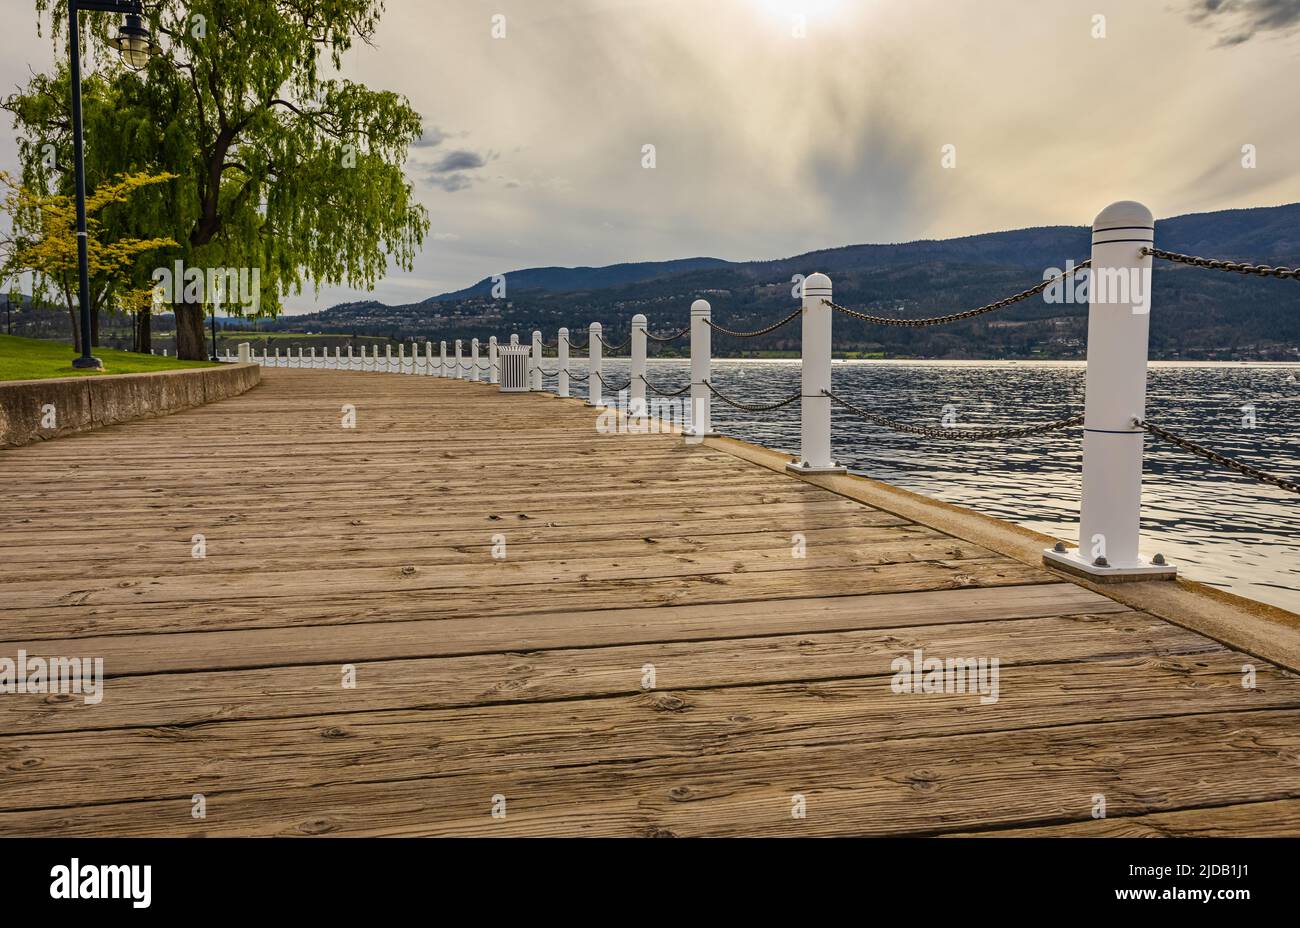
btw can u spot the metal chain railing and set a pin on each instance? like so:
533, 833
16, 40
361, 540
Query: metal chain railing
764, 331
668, 338
1215, 457
736, 404
546, 373
957, 317
1258, 270
627, 342
573, 344
953, 433
608, 385
655, 388
573, 376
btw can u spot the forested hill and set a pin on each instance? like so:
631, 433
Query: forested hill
1197, 313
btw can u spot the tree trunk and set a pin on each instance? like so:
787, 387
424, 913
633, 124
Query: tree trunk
76, 328
143, 332
189, 332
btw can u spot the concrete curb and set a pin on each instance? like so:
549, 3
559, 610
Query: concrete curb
84, 403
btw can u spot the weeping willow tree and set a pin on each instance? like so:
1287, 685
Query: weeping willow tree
283, 168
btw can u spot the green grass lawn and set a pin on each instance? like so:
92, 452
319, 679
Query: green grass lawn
38, 359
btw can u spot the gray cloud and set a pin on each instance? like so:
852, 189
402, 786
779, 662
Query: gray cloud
433, 137
460, 160
1239, 21
452, 172
450, 182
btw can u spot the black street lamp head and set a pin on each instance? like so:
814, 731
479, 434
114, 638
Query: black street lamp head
134, 42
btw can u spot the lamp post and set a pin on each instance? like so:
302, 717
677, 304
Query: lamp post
135, 45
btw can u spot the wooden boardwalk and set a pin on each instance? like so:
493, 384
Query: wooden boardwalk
522, 677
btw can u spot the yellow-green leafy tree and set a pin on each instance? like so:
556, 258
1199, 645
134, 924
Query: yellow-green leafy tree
43, 242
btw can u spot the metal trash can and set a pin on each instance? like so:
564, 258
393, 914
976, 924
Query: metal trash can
514, 368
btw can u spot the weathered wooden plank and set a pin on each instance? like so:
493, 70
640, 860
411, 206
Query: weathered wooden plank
386, 639
413, 579
322, 750
872, 545
917, 786
377, 521
229, 542
1279, 819
314, 607
188, 698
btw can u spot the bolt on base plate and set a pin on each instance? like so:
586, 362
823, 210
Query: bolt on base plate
1070, 562
798, 467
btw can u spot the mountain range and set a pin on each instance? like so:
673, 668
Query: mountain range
1197, 314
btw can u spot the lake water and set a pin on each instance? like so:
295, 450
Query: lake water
1220, 528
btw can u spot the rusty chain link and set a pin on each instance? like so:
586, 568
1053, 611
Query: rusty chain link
610, 386
667, 338
764, 331
1259, 270
735, 404
956, 317
614, 347
654, 388
1222, 460
953, 433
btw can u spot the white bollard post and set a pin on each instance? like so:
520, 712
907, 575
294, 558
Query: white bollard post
637, 406
535, 362
494, 365
460, 374
701, 356
313, 355
514, 338
277, 355
428, 358
1119, 320
401, 358
228, 353
473, 359
442, 359
815, 369
562, 349
594, 346
245, 353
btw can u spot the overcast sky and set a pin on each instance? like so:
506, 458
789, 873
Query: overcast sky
771, 139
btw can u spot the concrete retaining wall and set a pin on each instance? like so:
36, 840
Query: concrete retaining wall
84, 403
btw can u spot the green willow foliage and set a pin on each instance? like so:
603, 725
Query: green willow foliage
280, 167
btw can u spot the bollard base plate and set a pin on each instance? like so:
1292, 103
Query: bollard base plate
799, 467
1071, 562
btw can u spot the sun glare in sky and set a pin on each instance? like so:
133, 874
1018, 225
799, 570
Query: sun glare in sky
811, 9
